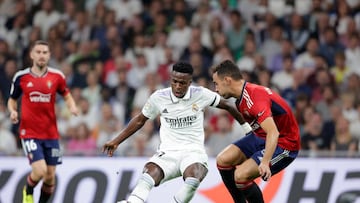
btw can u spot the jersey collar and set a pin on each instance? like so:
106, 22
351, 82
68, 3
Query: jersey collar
39, 76
242, 93
174, 99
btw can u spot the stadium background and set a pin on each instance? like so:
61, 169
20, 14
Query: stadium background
114, 53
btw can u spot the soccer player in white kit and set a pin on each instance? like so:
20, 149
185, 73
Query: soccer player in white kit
181, 151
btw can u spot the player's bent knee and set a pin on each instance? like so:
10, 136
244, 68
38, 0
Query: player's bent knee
197, 170
239, 177
223, 160
242, 175
230, 156
220, 161
39, 172
155, 171
202, 174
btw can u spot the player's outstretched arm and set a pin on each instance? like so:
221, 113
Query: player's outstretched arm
134, 125
224, 104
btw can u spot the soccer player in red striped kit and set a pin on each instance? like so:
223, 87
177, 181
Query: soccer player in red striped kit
38, 86
273, 145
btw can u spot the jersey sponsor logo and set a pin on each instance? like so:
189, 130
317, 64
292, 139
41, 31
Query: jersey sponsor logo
248, 100
40, 97
182, 122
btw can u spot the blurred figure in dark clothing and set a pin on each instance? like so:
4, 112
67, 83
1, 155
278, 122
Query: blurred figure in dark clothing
6, 76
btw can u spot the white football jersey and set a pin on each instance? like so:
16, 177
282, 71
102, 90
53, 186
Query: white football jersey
182, 119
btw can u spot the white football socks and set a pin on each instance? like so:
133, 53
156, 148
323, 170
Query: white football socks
186, 193
142, 189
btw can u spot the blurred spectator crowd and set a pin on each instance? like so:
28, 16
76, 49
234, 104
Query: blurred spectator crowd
115, 53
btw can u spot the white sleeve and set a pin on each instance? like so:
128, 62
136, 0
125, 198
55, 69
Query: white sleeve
150, 110
212, 97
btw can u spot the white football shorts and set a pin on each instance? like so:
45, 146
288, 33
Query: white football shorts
174, 163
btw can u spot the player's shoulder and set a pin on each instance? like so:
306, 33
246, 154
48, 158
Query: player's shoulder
56, 72
196, 89
20, 73
200, 91
249, 85
162, 93
254, 88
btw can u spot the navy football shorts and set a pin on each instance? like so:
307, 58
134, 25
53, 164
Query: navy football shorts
36, 149
253, 147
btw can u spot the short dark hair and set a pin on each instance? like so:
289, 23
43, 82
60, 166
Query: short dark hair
228, 68
183, 67
40, 42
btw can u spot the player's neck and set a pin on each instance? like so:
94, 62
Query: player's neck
238, 88
39, 71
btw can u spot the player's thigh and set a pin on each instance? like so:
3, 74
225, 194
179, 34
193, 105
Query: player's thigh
39, 168
230, 156
194, 163
168, 162
52, 152
242, 150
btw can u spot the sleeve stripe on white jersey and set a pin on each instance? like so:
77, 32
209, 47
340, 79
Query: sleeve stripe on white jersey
212, 103
53, 70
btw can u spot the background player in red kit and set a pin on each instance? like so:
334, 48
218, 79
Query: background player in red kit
38, 86
273, 146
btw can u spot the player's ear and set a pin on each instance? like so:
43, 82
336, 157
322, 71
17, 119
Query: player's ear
227, 80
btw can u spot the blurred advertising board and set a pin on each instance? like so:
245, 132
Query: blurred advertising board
106, 180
